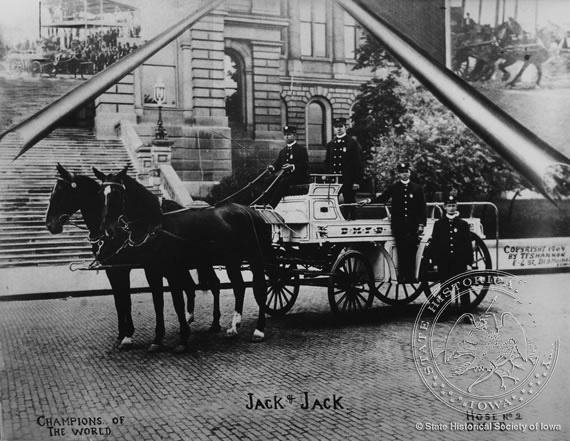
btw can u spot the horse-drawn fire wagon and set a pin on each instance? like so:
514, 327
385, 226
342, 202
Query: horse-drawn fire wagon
50, 63
357, 260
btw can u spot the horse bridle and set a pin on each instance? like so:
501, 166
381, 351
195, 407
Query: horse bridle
65, 218
123, 221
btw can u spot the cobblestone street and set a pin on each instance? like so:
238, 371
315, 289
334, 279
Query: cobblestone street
57, 364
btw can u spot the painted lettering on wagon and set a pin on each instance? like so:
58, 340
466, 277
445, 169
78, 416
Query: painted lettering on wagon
356, 230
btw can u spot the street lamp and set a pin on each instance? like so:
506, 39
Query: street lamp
160, 97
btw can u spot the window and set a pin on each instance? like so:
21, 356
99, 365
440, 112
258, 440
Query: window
316, 124
313, 28
151, 75
352, 36
161, 67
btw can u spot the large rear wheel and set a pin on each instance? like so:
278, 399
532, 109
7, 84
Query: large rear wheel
481, 261
391, 291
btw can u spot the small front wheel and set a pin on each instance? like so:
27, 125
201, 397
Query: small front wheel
351, 285
282, 289
36, 68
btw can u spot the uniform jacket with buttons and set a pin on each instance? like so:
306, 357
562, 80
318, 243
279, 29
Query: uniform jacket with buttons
344, 157
408, 205
296, 155
450, 243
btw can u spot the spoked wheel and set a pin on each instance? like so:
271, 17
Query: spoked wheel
481, 261
389, 290
461, 68
36, 68
351, 285
282, 288
16, 65
393, 292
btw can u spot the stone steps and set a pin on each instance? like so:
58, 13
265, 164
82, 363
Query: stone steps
25, 188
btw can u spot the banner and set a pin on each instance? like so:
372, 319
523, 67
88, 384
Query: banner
528, 254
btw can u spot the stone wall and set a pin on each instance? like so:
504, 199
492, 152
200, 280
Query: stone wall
114, 105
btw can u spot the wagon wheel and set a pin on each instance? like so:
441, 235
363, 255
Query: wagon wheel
389, 290
282, 288
481, 261
16, 65
351, 285
50, 69
461, 68
393, 292
36, 68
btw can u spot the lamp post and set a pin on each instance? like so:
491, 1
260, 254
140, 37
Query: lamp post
161, 146
160, 97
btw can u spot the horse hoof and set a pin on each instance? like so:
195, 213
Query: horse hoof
257, 336
189, 318
231, 333
179, 349
125, 344
154, 348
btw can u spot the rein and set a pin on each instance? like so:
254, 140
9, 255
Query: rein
249, 184
269, 187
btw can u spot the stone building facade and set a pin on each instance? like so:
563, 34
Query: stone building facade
245, 70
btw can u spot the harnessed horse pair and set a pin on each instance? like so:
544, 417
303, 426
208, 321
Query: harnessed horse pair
168, 249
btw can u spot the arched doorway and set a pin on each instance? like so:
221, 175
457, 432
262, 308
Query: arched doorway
235, 90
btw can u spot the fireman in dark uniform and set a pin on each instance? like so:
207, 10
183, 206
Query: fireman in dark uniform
408, 219
294, 161
450, 246
344, 157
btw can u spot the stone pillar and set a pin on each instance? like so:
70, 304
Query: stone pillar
294, 63
339, 65
267, 93
114, 105
161, 154
185, 76
144, 159
208, 88
267, 99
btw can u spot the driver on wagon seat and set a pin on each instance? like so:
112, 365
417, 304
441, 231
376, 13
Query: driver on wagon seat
294, 161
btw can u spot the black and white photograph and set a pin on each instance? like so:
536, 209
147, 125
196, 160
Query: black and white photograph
284, 220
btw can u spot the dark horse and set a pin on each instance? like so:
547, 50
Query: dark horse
73, 192
227, 235
515, 48
481, 45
